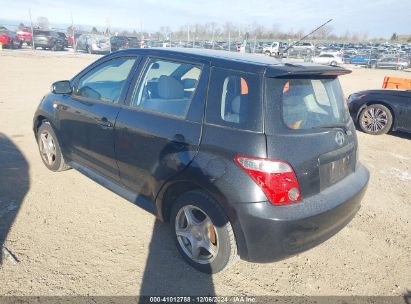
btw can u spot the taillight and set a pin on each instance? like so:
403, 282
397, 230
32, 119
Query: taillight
276, 178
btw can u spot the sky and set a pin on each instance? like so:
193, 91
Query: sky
376, 18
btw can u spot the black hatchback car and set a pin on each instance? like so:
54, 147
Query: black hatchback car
123, 42
243, 155
48, 40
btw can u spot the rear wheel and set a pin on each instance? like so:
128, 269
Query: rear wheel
267, 53
49, 148
202, 232
375, 119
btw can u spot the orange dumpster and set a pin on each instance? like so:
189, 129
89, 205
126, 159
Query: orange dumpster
396, 83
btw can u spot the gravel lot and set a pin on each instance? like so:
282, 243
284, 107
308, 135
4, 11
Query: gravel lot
63, 234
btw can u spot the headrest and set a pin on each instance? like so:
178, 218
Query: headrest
170, 88
236, 105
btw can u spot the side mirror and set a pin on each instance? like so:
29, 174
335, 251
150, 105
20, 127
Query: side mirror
61, 87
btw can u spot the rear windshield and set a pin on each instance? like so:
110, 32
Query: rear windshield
46, 33
311, 103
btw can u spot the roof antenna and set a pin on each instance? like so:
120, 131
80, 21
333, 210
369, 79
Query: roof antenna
313, 31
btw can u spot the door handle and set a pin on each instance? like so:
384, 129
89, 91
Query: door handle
104, 122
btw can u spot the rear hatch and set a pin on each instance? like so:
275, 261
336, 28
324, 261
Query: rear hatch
308, 125
42, 37
133, 42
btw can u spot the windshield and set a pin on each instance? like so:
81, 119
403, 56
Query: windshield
312, 103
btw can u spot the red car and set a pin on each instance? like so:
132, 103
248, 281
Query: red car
9, 39
71, 40
25, 35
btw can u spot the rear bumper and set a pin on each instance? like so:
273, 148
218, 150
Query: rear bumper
275, 232
43, 43
98, 50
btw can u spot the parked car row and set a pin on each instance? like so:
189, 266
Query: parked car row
372, 55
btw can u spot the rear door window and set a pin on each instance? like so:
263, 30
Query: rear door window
167, 87
234, 100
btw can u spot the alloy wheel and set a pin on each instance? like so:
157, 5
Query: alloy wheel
374, 119
196, 234
47, 148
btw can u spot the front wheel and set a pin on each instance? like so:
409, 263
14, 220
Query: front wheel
375, 119
49, 148
267, 53
202, 232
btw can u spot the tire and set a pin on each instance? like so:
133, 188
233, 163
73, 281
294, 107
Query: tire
54, 48
400, 67
375, 119
53, 160
89, 50
373, 65
267, 53
211, 226
333, 63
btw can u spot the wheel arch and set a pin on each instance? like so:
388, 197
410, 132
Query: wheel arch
38, 121
168, 195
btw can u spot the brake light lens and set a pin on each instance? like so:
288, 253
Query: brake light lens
276, 178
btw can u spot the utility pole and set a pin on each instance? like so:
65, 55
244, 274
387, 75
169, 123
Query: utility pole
212, 37
32, 31
188, 33
73, 32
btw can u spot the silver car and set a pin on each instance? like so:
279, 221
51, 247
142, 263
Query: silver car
93, 44
393, 63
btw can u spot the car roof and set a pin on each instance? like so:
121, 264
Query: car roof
270, 66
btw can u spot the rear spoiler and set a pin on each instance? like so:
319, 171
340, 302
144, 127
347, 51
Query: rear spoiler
305, 70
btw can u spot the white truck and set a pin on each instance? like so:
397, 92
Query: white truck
274, 49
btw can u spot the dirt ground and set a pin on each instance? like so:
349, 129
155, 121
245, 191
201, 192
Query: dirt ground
63, 234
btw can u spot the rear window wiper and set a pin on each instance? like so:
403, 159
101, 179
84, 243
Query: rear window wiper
332, 126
